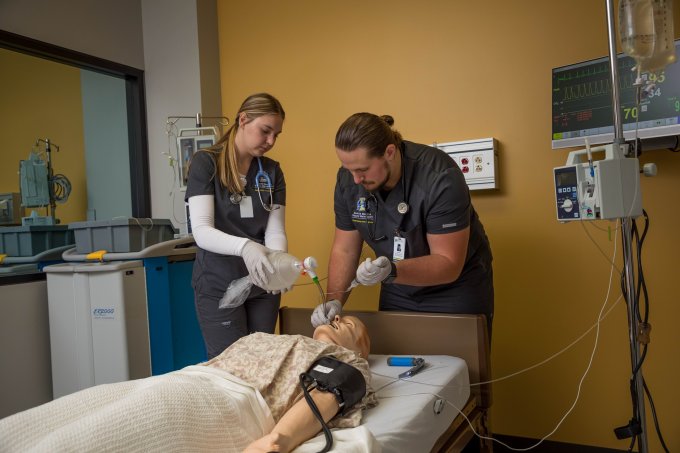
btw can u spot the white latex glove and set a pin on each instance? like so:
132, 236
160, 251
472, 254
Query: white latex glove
255, 257
320, 318
372, 272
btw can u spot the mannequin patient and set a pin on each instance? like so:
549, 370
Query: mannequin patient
286, 356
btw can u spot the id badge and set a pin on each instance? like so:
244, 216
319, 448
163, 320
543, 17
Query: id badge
399, 251
246, 206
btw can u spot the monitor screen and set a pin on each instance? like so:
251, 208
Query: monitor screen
187, 147
582, 102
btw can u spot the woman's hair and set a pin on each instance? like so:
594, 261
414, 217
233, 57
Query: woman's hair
254, 106
369, 131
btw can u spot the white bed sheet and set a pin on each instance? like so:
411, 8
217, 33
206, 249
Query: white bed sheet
405, 419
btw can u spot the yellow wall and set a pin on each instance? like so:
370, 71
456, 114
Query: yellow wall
448, 71
41, 99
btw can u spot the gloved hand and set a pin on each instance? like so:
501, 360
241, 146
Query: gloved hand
255, 257
282, 292
372, 272
319, 318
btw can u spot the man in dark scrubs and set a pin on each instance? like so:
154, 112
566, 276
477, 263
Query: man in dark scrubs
410, 203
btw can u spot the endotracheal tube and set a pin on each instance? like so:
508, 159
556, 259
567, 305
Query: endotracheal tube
308, 266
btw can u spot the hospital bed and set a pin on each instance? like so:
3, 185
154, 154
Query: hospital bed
204, 408
432, 336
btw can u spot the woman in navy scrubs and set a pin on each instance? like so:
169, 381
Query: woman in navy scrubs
237, 200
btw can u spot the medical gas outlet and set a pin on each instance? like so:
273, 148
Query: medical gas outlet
477, 159
602, 189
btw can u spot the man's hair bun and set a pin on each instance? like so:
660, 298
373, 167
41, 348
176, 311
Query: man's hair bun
388, 119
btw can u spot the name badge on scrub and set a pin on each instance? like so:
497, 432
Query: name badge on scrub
399, 251
246, 206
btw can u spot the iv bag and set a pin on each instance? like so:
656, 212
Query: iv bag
646, 30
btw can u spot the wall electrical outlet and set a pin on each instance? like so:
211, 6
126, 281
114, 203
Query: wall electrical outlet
477, 159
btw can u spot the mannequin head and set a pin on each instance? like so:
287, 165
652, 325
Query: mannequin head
346, 331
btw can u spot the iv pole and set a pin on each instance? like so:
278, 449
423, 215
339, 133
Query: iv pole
626, 238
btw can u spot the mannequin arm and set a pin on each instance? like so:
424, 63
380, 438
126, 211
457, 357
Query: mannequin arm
297, 425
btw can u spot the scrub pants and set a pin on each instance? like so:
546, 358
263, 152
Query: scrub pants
222, 327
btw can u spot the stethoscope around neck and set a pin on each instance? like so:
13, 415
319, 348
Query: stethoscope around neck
402, 206
262, 181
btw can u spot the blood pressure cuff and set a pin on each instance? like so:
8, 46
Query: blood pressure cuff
343, 380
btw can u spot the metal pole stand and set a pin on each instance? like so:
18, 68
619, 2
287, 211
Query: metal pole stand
626, 237
637, 384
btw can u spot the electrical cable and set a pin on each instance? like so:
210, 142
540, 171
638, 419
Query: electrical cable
656, 421
643, 322
592, 239
316, 412
611, 261
566, 348
60, 188
632, 429
641, 286
643, 326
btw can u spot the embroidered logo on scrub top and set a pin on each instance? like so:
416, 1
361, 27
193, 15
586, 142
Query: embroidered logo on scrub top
361, 213
264, 184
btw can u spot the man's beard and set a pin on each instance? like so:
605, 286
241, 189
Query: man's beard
387, 178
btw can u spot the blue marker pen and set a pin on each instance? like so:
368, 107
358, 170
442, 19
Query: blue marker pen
401, 361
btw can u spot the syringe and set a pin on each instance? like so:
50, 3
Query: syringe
590, 158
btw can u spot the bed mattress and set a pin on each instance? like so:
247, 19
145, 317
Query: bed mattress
412, 413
